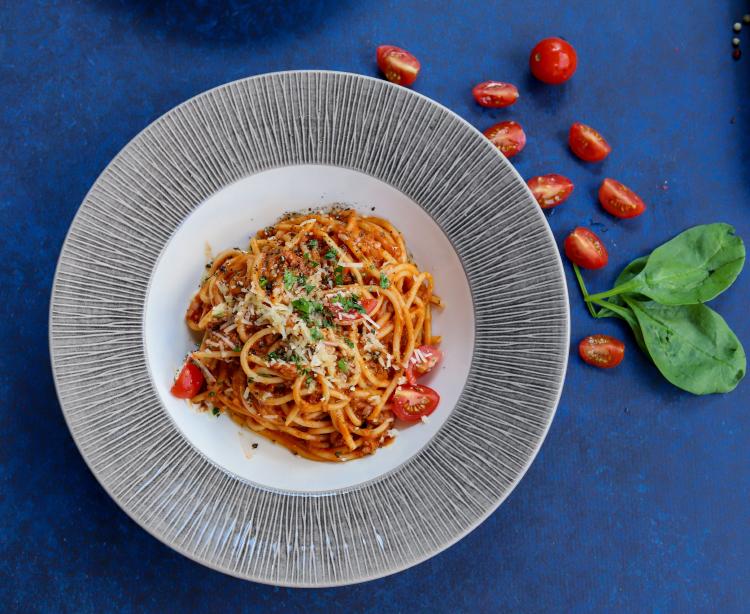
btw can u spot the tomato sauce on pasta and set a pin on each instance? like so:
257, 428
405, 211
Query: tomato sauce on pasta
314, 336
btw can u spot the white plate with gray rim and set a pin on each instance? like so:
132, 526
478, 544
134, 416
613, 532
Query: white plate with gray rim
215, 170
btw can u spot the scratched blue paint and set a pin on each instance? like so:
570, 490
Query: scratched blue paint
639, 498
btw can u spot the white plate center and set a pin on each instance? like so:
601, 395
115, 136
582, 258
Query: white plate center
228, 219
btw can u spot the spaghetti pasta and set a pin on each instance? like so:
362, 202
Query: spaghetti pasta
308, 333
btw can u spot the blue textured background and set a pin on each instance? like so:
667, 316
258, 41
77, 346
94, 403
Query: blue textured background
640, 497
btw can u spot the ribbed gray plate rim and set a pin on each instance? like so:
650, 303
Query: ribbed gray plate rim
366, 569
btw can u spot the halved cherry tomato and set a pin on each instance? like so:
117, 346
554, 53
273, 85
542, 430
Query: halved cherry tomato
495, 94
398, 65
189, 382
587, 143
586, 249
412, 401
369, 304
550, 190
602, 351
553, 60
620, 200
422, 361
508, 137
351, 315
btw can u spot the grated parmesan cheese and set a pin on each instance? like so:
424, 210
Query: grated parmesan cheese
224, 339
350, 265
219, 311
206, 373
369, 320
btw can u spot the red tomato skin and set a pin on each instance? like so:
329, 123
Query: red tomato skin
553, 60
588, 144
495, 94
368, 304
189, 382
620, 200
585, 249
550, 190
407, 393
508, 137
398, 65
433, 356
601, 351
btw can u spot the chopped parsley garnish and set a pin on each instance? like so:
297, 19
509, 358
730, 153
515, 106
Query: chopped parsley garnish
273, 355
263, 282
330, 255
306, 308
384, 281
338, 275
316, 334
237, 348
308, 380
312, 262
312, 243
349, 303
309, 288
215, 411
212, 394
289, 280
343, 365
349, 342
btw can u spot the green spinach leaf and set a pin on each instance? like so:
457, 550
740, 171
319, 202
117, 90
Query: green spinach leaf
615, 307
691, 345
694, 267
628, 273
611, 309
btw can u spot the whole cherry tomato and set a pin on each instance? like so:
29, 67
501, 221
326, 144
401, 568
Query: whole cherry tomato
585, 249
550, 190
398, 65
587, 143
602, 351
553, 60
620, 200
508, 137
495, 94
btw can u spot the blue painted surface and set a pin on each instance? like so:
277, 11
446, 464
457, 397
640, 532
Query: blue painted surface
640, 497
